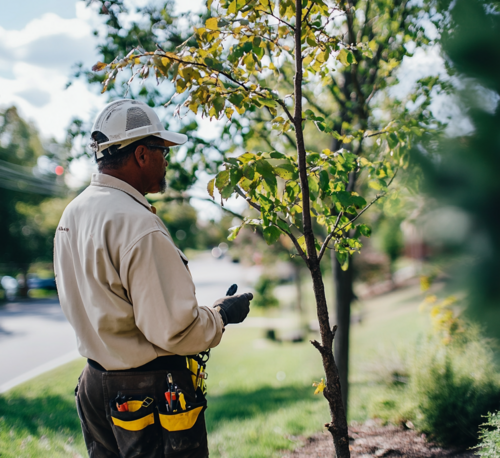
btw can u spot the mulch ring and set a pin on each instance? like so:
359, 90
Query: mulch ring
374, 440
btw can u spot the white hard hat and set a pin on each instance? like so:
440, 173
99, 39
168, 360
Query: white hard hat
126, 121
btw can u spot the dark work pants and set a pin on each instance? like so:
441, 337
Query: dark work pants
106, 431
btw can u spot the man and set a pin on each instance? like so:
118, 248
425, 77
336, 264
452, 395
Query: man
127, 291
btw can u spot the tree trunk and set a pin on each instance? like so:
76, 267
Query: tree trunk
333, 391
23, 283
343, 298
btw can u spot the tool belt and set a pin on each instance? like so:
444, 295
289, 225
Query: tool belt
156, 410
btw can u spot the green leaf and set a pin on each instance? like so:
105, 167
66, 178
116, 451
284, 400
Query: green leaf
271, 234
248, 171
313, 184
346, 57
246, 157
285, 171
234, 231
222, 179
324, 180
210, 187
236, 175
276, 155
358, 201
256, 44
236, 99
302, 243
218, 104
282, 225
267, 171
343, 259
392, 140
227, 191
364, 230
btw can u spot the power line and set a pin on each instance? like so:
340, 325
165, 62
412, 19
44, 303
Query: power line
19, 178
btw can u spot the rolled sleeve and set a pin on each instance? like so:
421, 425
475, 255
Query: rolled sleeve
162, 294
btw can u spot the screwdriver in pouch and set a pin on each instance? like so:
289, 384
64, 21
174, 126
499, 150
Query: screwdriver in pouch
168, 394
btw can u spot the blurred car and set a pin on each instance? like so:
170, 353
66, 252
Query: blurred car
10, 286
42, 283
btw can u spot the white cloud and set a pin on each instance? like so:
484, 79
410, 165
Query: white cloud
36, 64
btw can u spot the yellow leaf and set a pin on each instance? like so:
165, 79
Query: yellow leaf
212, 23
320, 386
209, 4
229, 112
99, 66
264, 3
210, 187
271, 66
137, 61
342, 57
165, 61
232, 8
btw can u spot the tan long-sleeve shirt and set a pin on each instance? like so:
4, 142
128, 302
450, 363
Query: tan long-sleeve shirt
123, 285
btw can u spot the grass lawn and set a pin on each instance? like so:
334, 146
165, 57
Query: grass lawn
260, 393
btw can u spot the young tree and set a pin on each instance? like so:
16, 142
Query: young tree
226, 72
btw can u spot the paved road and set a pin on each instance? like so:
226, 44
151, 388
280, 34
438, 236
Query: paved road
35, 336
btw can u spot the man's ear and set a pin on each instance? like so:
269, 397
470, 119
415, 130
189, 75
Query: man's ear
141, 155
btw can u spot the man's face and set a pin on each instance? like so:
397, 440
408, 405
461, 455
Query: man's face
157, 167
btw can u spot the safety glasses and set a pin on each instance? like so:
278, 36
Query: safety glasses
165, 149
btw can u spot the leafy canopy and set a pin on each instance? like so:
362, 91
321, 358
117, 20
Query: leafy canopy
227, 70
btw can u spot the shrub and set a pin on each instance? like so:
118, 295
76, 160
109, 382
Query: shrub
489, 446
452, 386
264, 293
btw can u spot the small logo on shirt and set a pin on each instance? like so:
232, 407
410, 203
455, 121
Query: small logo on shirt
64, 229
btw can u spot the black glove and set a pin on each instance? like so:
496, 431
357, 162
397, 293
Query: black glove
234, 309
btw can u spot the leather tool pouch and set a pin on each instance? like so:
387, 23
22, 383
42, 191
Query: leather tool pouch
183, 430
147, 429
135, 430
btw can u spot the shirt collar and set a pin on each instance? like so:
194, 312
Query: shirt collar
101, 179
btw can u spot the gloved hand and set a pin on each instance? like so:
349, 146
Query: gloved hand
234, 309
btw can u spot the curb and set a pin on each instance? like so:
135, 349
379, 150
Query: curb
39, 370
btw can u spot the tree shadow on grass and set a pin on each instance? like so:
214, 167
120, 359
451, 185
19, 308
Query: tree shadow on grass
241, 405
26, 415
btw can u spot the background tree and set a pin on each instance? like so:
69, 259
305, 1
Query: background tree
24, 186
465, 176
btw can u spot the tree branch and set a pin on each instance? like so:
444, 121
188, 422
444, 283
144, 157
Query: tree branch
370, 204
270, 13
329, 237
288, 114
308, 11
318, 346
250, 201
236, 215
289, 233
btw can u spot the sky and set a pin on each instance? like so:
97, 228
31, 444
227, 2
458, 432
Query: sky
40, 42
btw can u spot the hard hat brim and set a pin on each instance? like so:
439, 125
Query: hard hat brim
172, 138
